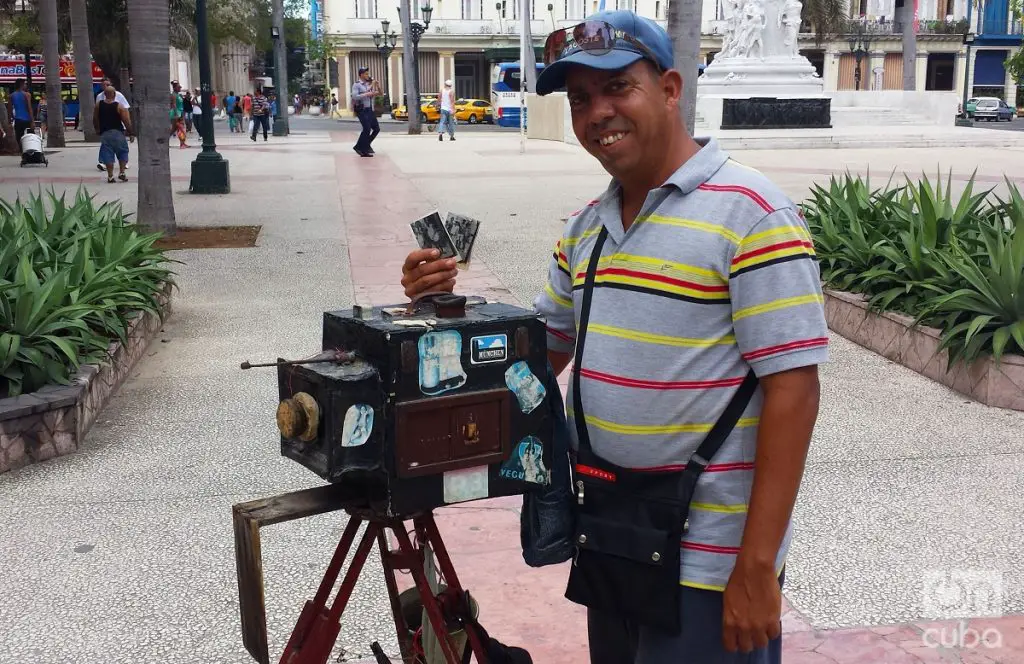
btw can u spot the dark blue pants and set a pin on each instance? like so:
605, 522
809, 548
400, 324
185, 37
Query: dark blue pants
616, 641
370, 129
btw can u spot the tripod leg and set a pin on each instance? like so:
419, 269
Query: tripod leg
426, 524
315, 609
430, 603
404, 642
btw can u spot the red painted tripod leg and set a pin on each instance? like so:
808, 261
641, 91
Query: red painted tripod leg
425, 523
430, 603
404, 642
316, 608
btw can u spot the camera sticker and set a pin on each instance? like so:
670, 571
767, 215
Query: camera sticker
441, 362
527, 463
528, 389
358, 425
489, 348
463, 485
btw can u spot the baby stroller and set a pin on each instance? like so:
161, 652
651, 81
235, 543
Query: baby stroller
32, 149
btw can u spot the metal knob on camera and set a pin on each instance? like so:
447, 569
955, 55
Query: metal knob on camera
299, 417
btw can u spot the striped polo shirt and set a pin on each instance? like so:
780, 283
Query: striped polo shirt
719, 279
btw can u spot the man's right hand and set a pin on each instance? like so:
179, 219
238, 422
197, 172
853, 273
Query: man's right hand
423, 271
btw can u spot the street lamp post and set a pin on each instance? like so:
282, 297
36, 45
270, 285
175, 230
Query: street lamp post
209, 170
966, 120
385, 44
860, 45
416, 30
280, 68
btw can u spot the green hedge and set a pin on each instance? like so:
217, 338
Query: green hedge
955, 263
72, 276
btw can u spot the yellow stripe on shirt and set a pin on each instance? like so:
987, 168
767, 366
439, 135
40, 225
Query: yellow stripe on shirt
656, 429
707, 227
662, 339
776, 305
556, 298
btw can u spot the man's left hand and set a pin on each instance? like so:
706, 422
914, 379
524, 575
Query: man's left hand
752, 612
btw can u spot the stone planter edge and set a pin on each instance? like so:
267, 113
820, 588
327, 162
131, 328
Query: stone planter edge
54, 420
894, 336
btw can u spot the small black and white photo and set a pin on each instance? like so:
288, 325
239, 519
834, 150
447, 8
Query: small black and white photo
463, 231
431, 234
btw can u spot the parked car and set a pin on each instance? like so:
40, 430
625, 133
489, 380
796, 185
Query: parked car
430, 111
970, 106
993, 110
474, 111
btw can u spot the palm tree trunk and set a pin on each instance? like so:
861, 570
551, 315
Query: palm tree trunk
684, 29
909, 47
51, 58
83, 68
9, 145
149, 24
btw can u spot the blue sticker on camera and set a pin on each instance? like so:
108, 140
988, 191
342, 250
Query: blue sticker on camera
441, 362
528, 389
527, 463
489, 348
358, 425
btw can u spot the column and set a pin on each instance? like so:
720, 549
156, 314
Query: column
970, 72
1010, 91
958, 72
921, 62
876, 60
446, 63
831, 70
344, 83
396, 79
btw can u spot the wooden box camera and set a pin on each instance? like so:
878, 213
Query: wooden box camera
442, 403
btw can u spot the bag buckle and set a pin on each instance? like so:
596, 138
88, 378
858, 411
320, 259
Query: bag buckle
579, 492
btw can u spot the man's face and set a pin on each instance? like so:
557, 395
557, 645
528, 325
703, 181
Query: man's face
621, 117
365, 76
177, 88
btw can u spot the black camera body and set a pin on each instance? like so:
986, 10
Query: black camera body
440, 402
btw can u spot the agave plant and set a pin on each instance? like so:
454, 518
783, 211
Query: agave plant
72, 276
986, 314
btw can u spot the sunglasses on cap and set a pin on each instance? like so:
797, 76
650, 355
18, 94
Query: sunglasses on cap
593, 37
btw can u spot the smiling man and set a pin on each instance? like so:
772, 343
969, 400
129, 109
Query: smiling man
693, 282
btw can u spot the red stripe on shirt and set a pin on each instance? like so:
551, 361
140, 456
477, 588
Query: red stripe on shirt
659, 384
561, 335
736, 189
792, 345
772, 247
723, 288
726, 467
710, 548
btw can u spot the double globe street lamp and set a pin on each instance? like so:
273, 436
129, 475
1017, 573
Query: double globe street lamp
385, 44
860, 46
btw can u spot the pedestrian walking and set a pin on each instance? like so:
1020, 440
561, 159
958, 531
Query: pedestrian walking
260, 115
187, 113
175, 113
246, 110
41, 110
122, 101
363, 92
229, 108
447, 99
113, 124
334, 105
687, 294
21, 103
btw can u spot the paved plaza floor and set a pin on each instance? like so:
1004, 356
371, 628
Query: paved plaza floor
123, 551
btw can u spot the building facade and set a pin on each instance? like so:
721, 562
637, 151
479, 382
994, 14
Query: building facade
230, 67
465, 38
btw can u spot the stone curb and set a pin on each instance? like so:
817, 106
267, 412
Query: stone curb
895, 337
54, 420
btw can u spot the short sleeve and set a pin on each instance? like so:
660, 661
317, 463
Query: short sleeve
777, 303
555, 303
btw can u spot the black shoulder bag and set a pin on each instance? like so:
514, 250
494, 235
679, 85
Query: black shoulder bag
630, 524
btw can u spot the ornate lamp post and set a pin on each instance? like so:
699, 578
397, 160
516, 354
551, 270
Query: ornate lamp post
860, 46
385, 44
416, 30
209, 170
966, 121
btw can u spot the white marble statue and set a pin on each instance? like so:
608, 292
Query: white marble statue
789, 21
750, 39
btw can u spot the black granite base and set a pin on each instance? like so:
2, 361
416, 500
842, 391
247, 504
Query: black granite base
774, 113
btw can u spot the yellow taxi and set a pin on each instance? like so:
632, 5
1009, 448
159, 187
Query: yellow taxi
430, 111
474, 111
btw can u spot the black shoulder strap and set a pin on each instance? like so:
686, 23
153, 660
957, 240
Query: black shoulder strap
721, 429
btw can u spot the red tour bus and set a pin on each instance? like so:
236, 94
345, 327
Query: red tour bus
12, 67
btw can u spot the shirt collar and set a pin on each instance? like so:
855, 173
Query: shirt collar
697, 170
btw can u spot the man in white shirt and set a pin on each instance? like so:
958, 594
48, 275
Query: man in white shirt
121, 100
447, 101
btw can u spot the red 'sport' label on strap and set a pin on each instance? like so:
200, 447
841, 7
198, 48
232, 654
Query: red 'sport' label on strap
595, 472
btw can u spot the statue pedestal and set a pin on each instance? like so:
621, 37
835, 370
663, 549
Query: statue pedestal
776, 92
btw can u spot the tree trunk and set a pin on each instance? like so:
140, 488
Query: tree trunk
9, 144
149, 23
909, 47
280, 70
409, 65
51, 58
83, 69
684, 29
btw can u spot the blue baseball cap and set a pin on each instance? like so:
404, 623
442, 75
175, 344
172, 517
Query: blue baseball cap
622, 54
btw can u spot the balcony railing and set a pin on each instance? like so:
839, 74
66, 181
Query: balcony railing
883, 26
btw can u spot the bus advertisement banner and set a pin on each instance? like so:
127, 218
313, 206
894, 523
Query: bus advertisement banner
13, 67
